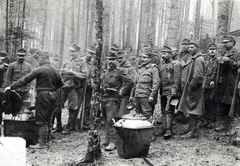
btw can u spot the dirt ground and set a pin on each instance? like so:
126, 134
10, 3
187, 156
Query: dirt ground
211, 149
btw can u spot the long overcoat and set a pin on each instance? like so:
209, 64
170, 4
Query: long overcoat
191, 101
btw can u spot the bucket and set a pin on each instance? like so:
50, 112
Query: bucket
134, 136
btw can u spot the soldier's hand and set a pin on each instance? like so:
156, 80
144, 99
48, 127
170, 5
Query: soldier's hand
7, 89
150, 99
211, 84
131, 99
120, 93
225, 59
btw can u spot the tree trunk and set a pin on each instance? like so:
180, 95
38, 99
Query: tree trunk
173, 26
97, 63
62, 33
197, 19
223, 17
44, 27
129, 25
72, 22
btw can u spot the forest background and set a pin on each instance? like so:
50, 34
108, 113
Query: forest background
53, 25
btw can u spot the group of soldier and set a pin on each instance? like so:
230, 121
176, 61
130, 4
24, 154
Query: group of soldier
190, 85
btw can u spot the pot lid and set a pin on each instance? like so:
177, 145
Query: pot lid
131, 121
12, 102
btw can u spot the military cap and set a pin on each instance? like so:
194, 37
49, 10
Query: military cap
115, 47
228, 38
185, 40
74, 47
21, 51
148, 43
212, 45
166, 49
42, 54
121, 53
111, 55
33, 50
146, 54
195, 42
3, 54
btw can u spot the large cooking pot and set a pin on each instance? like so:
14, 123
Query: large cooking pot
134, 134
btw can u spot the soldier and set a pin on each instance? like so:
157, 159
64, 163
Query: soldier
228, 82
170, 75
18, 70
191, 101
184, 57
74, 73
210, 86
184, 54
115, 82
125, 65
146, 86
4, 63
48, 80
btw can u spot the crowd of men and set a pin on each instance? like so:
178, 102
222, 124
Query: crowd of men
191, 86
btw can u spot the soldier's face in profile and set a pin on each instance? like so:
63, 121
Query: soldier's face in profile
166, 56
228, 44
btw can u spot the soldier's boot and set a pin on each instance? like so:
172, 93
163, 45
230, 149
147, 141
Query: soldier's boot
43, 138
193, 133
168, 134
235, 131
112, 145
225, 125
67, 130
232, 128
106, 139
160, 131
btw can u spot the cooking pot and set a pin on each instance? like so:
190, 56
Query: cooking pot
134, 135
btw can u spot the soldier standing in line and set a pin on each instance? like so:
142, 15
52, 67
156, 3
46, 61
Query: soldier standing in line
115, 83
74, 73
146, 85
125, 65
170, 75
228, 84
191, 101
184, 56
210, 87
18, 70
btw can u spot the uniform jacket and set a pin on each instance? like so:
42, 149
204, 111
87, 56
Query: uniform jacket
47, 78
184, 55
229, 78
191, 101
210, 73
115, 79
170, 75
80, 69
15, 72
131, 71
229, 74
147, 81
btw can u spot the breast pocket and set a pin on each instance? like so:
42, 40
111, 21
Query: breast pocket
16, 75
